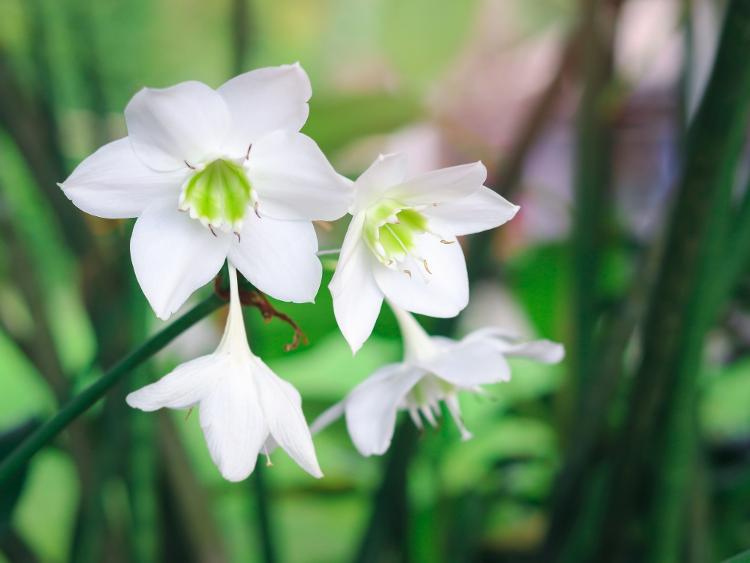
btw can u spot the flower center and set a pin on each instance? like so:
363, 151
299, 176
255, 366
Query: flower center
391, 230
218, 195
424, 399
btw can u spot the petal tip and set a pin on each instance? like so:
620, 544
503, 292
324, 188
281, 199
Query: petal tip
134, 400
235, 476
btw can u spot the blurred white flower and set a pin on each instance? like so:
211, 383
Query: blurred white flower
245, 408
401, 242
434, 369
232, 160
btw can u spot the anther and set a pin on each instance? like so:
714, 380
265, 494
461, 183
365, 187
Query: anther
247, 154
210, 228
408, 273
238, 236
426, 266
189, 165
447, 241
255, 208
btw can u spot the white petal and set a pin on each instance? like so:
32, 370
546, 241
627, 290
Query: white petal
482, 210
371, 407
356, 297
183, 387
442, 293
282, 406
279, 257
263, 100
168, 127
469, 363
233, 423
446, 184
173, 255
451, 401
113, 183
387, 171
544, 351
294, 180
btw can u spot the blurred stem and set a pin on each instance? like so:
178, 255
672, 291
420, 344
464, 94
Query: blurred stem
240, 35
141, 463
737, 255
656, 446
194, 506
589, 427
265, 529
30, 122
386, 536
86, 50
143, 499
593, 166
89, 396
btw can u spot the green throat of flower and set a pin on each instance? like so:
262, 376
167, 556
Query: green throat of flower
218, 195
391, 231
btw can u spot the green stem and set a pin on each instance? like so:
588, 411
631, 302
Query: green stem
656, 445
593, 176
737, 256
387, 532
265, 529
89, 396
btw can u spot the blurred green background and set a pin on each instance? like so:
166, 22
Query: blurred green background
590, 114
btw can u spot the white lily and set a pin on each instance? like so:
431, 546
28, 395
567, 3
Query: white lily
245, 408
434, 369
401, 242
232, 161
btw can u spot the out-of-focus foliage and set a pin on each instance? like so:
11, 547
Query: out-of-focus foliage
445, 80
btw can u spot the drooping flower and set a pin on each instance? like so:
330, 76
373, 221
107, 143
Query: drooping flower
212, 174
245, 408
401, 242
434, 369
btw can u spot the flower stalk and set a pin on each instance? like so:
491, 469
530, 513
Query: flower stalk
89, 396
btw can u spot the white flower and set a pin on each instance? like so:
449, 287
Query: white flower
434, 369
401, 242
232, 160
245, 408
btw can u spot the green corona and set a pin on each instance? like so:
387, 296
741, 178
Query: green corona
391, 229
218, 195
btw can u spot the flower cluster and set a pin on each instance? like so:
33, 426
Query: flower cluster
225, 175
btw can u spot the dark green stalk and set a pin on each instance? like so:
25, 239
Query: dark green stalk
386, 536
590, 425
89, 396
265, 529
141, 463
737, 255
241, 35
593, 165
656, 445
192, 500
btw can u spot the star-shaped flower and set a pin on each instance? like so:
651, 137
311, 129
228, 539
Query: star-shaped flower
401, 242
245, 408
434, 369
212, 174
